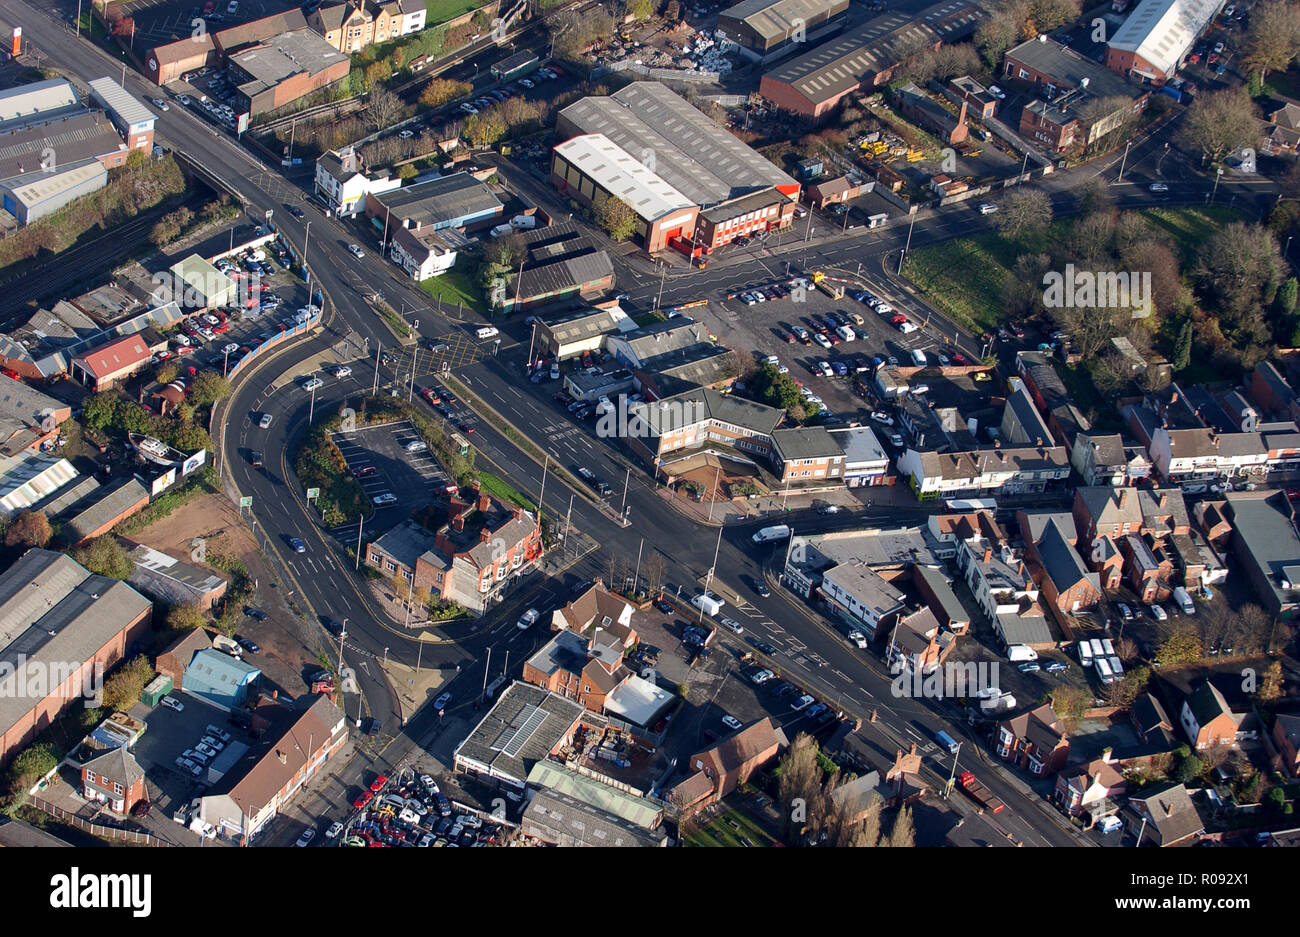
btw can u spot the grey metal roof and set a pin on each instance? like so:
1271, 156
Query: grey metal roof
520, 729
113, 97
37, 97
75, 139
22, 408
577, 325
832, 68
447, 199
697, 365
563, 820
1027, 416
168, 578
53, 611
860, 445
702, 161
284, 56
940, 585
406, 543
666, 415
778, 19
734, 208
110, 503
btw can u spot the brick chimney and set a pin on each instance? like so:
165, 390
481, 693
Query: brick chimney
518, 512
458, 522
1164, 499
988, 553
484, 501
484, 535
1123, 498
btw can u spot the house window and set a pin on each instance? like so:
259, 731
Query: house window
117, 789
518, 560
586, 689
390, 566
90, 777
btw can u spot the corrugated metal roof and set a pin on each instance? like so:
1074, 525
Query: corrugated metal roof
617, 172
113, 97
25, 100
1161, 31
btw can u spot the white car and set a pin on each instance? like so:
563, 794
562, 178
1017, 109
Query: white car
997, 92
1158, 187
386, 498
884, 418
1158, 613
802, 702
314, 384
344, 371
406, 134
822, 340
161, 104
230, 348
988, 208
356, 251
175, 704
733, 626
762, 676
206, 750
470, 108
528, 619
306, 838
335, 829
731, 722
415, 445
858, 639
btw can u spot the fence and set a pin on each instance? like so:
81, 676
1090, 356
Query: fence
135, 837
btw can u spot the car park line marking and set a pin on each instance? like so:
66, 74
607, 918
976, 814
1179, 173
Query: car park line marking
841, 674
912, 732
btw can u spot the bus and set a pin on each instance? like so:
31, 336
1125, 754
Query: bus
971, 504
460, 443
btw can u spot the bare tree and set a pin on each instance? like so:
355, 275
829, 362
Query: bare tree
799, 783
1219, 122
654, 571
1025, 214
383, 108
903, 834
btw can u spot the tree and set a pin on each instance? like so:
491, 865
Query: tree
104, 556
186, 617
32, 763
167, 372
1237, 273
654, 572
1094, 196
1188, 768
800, 780
1274, 39
383, 108
442, 91
1219, 122
1025, 215
208, 388
616, 218
1183, 348
122, 690
407, 171
902, 834
640, 10
29, 529
866, 833
1182, 647
1285, 300
1270, 684
1070, 703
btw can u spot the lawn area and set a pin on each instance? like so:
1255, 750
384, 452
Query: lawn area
439, 11
728, 830
964, 278
454, 286
500, 488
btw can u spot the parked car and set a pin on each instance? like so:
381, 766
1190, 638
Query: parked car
802, 702
173, 704
733, 626
731, 722
306, 838
441, 702
356, 251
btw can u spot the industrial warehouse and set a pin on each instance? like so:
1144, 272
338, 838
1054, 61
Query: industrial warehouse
670, 163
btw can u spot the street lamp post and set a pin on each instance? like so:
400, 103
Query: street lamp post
225, 362
343, 633
1122, 162
360, 527
953, 776
306, 271
1218, 173
908, 245
311, 413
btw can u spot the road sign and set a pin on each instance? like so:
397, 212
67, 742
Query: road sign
313, 494
246, 501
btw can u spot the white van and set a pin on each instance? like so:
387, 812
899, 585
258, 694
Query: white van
1184, 601
918, 358
1020, 652
488, 331
1097, 650
1084, 650
768, 534
523, 222
709, 604
1104, 673
846, 333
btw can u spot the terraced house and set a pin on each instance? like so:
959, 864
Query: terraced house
350, 27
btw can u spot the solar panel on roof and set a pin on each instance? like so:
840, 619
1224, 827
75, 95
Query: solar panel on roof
525, 732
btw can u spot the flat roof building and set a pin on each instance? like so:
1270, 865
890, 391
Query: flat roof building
525, 726
285, 68
452, 201
132, 119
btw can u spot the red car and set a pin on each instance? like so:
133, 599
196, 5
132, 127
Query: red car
364, 471
898, 320
959, 359
222, 326
365, 798
430, 395
378, 783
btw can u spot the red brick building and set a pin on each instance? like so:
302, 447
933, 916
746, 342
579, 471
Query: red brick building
1034, 741
721, 769
114, 779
